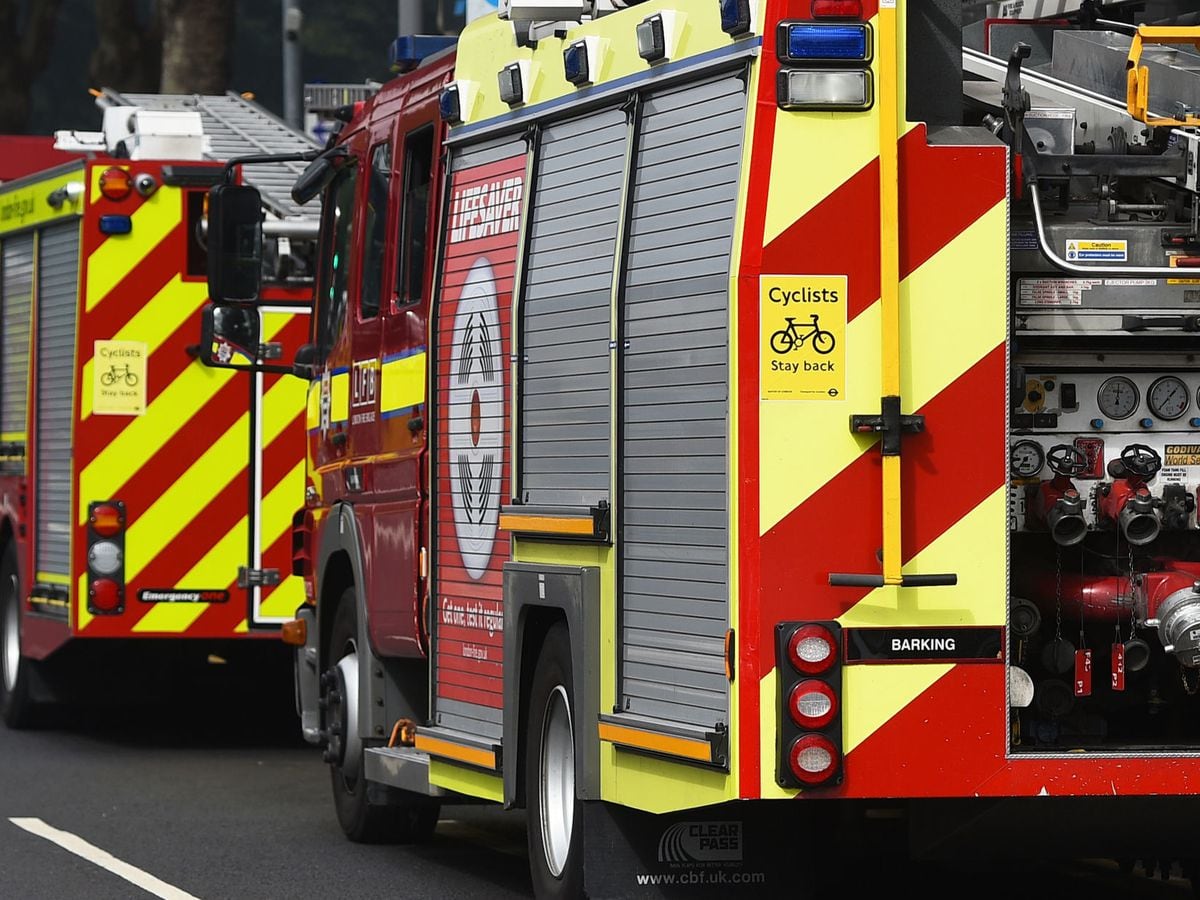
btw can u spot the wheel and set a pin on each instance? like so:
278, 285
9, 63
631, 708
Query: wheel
16, 704
408, 818
555, 816
782, 341
824, 341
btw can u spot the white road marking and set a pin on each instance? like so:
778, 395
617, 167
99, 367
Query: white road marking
103, 859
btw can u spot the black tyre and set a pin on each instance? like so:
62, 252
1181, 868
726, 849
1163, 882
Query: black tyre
407, 818
555, 814
824, 341
782, 341
16, 702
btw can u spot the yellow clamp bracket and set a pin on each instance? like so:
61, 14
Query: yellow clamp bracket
1137, 93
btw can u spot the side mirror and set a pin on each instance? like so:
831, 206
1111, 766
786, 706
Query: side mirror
234, 243
316, 177
229, 336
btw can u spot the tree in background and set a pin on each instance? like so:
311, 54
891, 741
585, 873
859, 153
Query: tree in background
28, 38
196, 46
128, 53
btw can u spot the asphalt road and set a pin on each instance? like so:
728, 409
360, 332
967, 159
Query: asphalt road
213, 797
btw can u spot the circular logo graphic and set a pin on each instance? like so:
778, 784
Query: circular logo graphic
476, 426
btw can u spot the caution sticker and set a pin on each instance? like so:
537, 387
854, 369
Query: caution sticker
119, 378
802, 336
1181, 455
1097, 251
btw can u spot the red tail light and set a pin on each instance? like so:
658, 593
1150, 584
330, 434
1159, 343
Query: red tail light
813, 759
106, 557
809, 737
812, 704
104, 595
836, 9
812, 649
115, 183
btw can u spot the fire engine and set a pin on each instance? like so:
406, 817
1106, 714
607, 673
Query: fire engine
123, 459
738, 428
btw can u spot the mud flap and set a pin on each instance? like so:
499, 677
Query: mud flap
735, 849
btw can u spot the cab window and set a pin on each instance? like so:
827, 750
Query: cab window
337, 230
414, 231
376, 232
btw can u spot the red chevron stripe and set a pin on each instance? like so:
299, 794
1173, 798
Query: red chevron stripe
146, 278
911, 748
837, 234
222, 512
946, 472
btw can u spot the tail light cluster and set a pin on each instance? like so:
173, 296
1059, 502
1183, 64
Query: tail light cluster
808, 658
106, 557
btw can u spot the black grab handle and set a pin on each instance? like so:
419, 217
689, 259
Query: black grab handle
845, 579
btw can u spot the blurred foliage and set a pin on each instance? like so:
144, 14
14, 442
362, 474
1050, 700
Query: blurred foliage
343, 42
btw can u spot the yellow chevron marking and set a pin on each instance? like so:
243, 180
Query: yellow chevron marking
403, 383
224, 460
285, 599
960, 293
171, 307
144, 435
242, 627
83, 618
932, 306
141, 439
221, 561
113, 259
975, 548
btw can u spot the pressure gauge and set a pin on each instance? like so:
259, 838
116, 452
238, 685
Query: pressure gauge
1026, 459
1168, 397
1118, 397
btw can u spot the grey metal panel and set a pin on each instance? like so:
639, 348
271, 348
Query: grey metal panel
58, 270
487, 151
16, 293
565, 311
674, 539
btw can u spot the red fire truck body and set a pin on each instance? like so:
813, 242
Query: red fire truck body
761, 450
124, 473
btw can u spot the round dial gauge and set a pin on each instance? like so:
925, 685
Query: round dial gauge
1026, 459
1118, 397
1168, 397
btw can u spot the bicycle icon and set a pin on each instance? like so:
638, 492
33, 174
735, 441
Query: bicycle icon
793, 336
115, 374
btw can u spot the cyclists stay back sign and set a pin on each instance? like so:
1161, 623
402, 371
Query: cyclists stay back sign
119, 378
802, 336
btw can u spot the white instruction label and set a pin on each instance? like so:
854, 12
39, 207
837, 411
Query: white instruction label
1053, 291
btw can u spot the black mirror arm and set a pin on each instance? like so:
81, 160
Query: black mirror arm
231, 165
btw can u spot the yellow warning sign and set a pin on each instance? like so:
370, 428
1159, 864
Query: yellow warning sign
1172, 262
119, 378
802, 337
1181, 455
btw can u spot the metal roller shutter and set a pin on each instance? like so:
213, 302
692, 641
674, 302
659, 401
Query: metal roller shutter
566, 311
16, 294
58, 268
674, 465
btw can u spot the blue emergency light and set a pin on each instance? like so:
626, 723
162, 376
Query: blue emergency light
408, 50
116, 224
819, 42
735, 17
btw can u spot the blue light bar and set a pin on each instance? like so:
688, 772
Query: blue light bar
116, 224
812, 42
408, 50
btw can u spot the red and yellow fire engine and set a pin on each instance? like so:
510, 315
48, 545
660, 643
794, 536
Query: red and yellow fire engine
789, 425
124, 474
